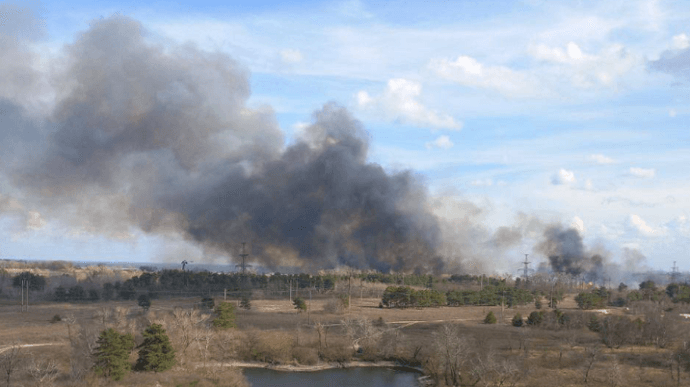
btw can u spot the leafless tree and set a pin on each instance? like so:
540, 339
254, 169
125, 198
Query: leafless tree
10, 360
43, 372
591, 356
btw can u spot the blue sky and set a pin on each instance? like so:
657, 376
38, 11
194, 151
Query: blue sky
572, 112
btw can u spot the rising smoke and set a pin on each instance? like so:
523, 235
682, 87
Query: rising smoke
162, 139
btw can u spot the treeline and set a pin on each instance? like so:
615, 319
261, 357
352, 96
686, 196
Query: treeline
648, 291
405, 297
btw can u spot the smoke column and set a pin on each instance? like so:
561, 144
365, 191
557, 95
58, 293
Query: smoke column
160, 138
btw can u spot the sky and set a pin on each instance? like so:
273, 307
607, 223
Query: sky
573, 113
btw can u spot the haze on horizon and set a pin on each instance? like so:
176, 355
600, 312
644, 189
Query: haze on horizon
402, 136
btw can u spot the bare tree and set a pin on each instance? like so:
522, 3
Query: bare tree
10, 360
43, 372
591, 356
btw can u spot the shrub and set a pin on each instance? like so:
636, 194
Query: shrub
225, 316
589, 300
155, 353
246, 303
305, 355
112, 354
537, 303
299, 303
208, 303
490, 318
594, 325
517, 320
144, 301
55, 319
535, 318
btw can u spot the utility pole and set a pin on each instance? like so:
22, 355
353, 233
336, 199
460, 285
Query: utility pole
674, 272
23, 295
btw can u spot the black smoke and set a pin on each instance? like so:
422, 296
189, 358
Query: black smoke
160, 138
567, 254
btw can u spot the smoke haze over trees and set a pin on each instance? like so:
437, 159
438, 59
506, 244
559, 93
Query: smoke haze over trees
157, 137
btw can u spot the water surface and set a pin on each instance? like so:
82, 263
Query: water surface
357, 376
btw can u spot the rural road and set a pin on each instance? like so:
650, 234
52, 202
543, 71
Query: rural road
7, 347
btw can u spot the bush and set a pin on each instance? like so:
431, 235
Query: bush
246, 303
590, 301
594, 325
55, 319
299, 303
490, 318
155, 353
535, 318
208, 303
517, 320
537, 303
225, 316
305, 355
144, 301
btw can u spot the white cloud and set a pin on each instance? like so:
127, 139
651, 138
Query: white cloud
400, 102
578, 224
467, 71
647, 173
672, 113
34, 221
291, 56
442, 142
563, 177
482, 183
680, 42
601, 159
642, 227
587, 70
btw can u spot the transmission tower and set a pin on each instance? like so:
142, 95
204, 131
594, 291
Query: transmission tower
525, 271
674, 272
244, 257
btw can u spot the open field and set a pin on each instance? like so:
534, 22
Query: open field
530, 356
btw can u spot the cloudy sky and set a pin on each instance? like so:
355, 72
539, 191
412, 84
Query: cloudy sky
571, 112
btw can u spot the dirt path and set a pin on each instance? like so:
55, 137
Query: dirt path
8, 347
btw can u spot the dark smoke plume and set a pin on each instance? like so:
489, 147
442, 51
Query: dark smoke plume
568, 255
161, 139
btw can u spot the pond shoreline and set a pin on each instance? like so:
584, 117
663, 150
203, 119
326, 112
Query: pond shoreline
320, 367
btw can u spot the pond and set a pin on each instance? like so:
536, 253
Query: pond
355, 377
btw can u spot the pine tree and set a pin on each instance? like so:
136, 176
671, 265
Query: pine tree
246, 303
225, 316
112, 354
517, 320
155, 353
299, 303
490, 318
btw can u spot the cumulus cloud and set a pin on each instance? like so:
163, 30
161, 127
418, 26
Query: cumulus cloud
291, 56
442, 142
482, 183
646, 173
578, 224
400, 102
587, 70
563, 176
601, 159
467, 71
680, 42
638, 224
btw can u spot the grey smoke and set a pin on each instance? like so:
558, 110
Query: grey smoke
567, 254
161, 139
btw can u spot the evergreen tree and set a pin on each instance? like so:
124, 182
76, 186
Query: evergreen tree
112, 354
144, 301
490, 318
225, 316
155, 353
517, 320
299, 303
246, 303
